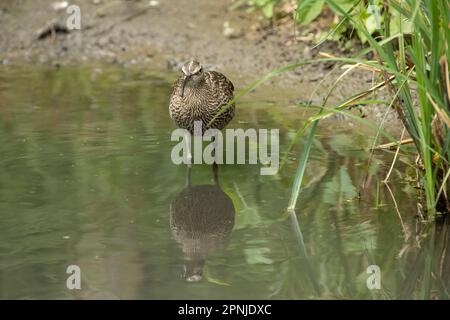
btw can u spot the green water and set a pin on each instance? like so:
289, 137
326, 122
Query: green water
86, 179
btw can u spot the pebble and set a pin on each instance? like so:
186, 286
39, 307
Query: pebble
60, 5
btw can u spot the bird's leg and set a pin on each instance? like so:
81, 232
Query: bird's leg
215, 168
188, 175
215, 143
213, 138
187, 138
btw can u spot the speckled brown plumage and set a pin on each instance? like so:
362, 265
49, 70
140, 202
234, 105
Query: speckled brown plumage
204, 95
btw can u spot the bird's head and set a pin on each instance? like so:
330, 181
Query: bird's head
193, 269
192, 74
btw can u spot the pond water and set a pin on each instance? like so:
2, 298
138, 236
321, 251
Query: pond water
86, 179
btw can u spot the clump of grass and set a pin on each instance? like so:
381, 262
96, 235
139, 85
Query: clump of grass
425, 52
411, 64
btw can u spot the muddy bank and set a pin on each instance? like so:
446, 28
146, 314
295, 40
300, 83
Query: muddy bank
133, 32
160, 35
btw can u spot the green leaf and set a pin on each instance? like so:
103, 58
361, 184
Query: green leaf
308, 10
266, 6
346, 5
257, 256
400, 23
340, 185
268, 10
214, 280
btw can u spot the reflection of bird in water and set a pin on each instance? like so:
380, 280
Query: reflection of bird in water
201, 220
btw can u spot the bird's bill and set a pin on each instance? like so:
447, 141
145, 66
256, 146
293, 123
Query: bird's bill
183, 83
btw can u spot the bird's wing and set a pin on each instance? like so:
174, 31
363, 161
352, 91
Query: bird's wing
176, 86
221, 83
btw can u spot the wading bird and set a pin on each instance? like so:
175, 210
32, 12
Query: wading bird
200, 95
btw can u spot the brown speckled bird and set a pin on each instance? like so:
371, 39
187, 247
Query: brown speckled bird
200, 95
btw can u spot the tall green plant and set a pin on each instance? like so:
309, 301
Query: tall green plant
425, 118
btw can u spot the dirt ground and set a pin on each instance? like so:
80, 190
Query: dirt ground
134, 32
161, 35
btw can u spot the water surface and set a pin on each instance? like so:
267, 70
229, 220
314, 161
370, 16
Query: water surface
86, 179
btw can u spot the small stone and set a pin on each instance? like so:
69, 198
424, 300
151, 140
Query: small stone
230, 32
227, 29
60, 5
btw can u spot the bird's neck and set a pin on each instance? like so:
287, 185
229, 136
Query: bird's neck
195, 87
